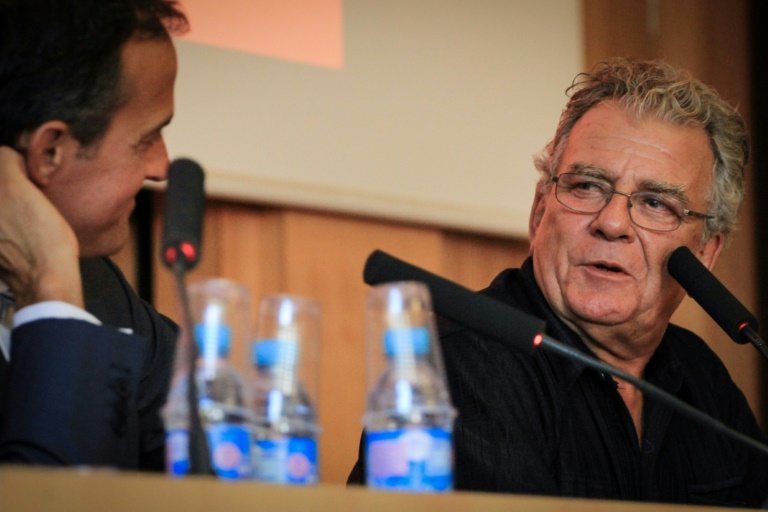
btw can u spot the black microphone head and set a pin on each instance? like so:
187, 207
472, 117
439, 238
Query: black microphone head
711, 294
184, 206
375, 267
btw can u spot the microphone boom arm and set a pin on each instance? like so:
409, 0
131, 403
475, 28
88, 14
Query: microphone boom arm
649, 390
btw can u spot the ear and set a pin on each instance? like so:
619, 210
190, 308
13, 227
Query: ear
709, 251
537, 211
45, 150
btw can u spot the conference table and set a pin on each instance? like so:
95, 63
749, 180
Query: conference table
26, 489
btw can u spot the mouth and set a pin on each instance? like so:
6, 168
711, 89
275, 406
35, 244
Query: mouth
608, 267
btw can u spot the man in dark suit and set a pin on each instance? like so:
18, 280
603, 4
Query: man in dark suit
86, 87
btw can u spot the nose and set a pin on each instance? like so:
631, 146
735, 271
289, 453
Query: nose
157, 162
613, 221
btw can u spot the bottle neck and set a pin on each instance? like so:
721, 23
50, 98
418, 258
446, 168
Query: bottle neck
284, 378
406, 365
210, 365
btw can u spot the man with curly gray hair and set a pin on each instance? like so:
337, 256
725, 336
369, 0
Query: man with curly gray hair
645, 159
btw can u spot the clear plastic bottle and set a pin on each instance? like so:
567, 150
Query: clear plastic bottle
285, 424
409, 416
222, 404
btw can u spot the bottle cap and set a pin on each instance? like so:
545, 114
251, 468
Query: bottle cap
397, 341
218, 335
272, 352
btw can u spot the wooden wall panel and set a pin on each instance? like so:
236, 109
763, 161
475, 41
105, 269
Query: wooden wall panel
617, 28
683, 38
247, 241
474, 260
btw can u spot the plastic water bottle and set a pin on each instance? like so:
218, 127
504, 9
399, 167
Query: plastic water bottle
285, 422
218, 310
409, 416
285, 430
222, 404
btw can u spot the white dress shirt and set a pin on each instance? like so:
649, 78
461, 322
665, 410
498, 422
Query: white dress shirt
39, 311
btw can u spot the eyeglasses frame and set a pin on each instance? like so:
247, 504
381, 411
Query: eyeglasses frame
685, 212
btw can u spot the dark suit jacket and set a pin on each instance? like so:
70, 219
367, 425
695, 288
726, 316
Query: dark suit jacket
82, 394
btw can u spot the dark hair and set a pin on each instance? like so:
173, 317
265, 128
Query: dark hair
61, 60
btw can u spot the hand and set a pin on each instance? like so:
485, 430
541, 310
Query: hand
38, 249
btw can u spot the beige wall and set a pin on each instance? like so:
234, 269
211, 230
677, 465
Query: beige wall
429, 94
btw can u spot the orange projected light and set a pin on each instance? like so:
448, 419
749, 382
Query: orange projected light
308, 31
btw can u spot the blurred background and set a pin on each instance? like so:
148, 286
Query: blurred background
331, 128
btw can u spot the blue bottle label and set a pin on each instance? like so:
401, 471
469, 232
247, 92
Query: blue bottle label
410, 459
177, 452
230, 447
286, 460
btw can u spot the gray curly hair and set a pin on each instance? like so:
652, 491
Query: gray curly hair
654, 88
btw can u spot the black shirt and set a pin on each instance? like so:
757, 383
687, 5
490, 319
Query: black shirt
545, 425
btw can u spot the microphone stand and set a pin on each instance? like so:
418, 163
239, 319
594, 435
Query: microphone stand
185, 202
648, 389
199, 454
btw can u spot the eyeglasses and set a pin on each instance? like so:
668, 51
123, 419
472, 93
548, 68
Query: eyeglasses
654, 211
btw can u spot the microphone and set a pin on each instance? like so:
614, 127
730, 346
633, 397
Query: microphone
182, 228
714, 298
458, 303
497, 320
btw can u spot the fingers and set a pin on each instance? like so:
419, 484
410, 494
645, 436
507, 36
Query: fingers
38, 249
